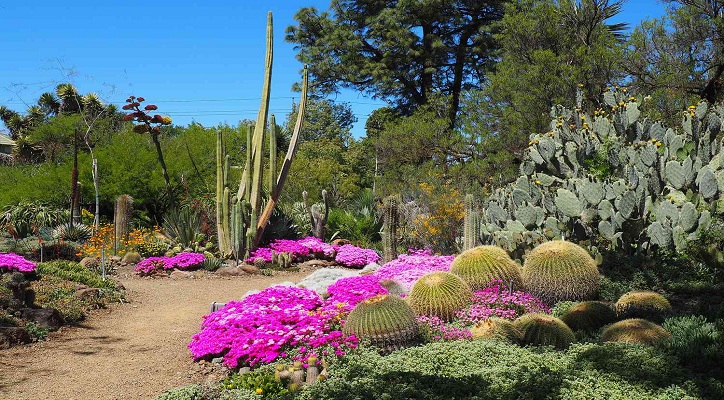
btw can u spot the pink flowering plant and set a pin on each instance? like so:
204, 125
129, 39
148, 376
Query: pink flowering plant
408, 268
152, 265
280, 321
353, 290
13, 262
434, 329
312, 247
497, 301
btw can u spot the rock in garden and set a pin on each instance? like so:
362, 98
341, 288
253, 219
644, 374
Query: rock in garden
340, 242
12, 336
90, 262
176, 275
229, 271
369, 269
250, 269
47, 318
320, 279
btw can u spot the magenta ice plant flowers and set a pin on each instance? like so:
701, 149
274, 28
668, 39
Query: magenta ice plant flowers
179, 261
13, 262
355, 257
497, 301
354, 289
408, 268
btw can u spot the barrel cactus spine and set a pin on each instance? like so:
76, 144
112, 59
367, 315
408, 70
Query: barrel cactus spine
544, 330
560, 271
482, 265
635, 330
389, 232
387, 321
588, 316
497, 329
643, 304
440, 294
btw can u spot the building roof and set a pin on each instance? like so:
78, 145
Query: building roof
6, 141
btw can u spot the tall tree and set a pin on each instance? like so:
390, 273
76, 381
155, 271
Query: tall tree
398, 50
548, 51
681, 55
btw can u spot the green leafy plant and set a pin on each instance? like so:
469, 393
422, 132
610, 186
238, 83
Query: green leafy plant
696, 342
36, 332
25, 218
260, 382
72, 271
183, 225
75, 232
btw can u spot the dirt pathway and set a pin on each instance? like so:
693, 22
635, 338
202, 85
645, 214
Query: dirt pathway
129, 351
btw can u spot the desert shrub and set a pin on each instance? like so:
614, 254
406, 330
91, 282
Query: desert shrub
72, 271
60, 250
152, 248
561, 307
360, 228
25, 218
697, 343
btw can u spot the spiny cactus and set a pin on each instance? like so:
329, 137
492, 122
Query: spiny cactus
317, 218
122, 218
282, 260
643, 304
440, 294
471, 223
393, 287
635, 330
131, 257
391, 221
497, 328
386, 321
588, 316
560, 271
544, 330
483, 264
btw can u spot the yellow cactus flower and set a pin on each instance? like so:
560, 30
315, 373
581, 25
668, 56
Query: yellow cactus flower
658, 144
537, 182
259, 391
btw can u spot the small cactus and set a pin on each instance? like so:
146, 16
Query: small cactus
131, 257
498, 329
483, 264
440, 294
635, 330
122, 218
544, 330
389, 232
588, 316
386, 321
643, 304
560, 271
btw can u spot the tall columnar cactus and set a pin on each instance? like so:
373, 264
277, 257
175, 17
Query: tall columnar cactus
589, 316
317, 217
471, 223
560, 271
122, 218
389, 231
544, 330
643, 304
440, 294
386, 321
252, 220
635, 331
481, 265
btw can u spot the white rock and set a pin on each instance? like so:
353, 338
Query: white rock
320, 279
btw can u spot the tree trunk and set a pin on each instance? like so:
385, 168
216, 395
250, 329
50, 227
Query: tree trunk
74, 192
159, 154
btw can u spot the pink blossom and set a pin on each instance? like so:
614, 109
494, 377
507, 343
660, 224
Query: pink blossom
408, 268
14, 262
354, 257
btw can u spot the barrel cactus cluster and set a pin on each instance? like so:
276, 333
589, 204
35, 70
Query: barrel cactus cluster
614, 179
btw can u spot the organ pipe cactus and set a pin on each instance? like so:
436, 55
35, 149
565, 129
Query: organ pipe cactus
389, 230
241, 233
472, 223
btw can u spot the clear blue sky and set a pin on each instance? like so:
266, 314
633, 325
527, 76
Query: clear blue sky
198, 61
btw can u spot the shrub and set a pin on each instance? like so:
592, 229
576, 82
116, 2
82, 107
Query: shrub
635, 330
440, 294
544, 330
588, 316
76, 232
643, 304
697, 343
387, 322
152, 248
260, 382
482, 265
72, 271
559, 270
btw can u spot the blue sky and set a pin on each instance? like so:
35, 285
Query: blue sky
198, 61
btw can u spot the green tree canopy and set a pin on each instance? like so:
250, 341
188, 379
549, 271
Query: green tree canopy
401, 51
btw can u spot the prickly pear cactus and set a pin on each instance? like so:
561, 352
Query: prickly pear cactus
612, 179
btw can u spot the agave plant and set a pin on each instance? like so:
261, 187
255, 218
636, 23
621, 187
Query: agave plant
26, 218
182, 225
76, 232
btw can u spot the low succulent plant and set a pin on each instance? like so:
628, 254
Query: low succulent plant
131, 257
483, 264
643, 304
635, 330
440, 294
588, 316
386, 321
544, 330
560, 271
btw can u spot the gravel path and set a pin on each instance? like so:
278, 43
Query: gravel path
129, 351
